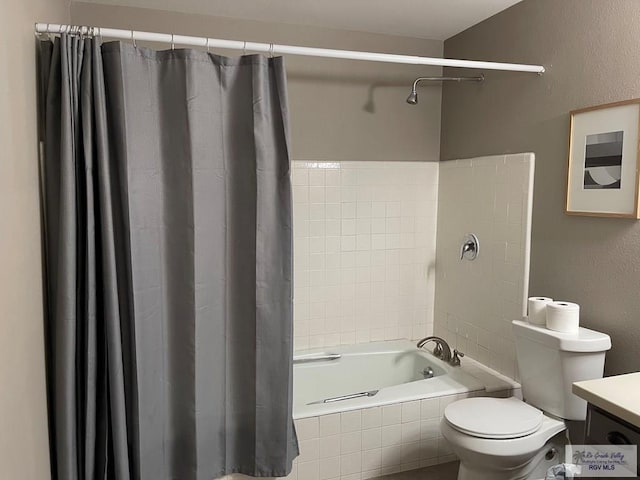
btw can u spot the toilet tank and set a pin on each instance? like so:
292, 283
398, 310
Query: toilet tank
549, 362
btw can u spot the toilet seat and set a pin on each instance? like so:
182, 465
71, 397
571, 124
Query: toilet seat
493, 418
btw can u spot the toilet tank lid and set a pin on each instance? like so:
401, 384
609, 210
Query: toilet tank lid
584, 341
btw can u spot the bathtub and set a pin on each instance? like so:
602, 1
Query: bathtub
362, 411
345, 378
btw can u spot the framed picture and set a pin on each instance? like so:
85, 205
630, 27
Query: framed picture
603, 161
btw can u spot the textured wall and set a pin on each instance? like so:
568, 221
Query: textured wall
327, 97
24, 450
590, 50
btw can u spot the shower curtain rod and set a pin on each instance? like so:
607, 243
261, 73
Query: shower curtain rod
276, 49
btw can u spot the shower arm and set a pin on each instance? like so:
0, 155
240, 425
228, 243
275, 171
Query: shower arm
446, 79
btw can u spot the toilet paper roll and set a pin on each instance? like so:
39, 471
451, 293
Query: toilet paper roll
537, 310
563, 317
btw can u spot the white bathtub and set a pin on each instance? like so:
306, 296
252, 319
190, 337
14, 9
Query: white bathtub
394, 369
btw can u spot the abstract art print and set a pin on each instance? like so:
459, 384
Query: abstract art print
603, 176
603, 160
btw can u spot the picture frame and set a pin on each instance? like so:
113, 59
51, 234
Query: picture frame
603, 174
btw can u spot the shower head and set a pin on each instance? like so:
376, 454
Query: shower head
412, 99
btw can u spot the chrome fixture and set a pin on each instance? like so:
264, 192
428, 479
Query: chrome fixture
370, 393
551, 454
316, 358
470, 247
428, 372
412, 99
455, 359
441, 351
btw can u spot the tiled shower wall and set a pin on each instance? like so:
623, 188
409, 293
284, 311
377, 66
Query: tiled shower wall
364, 251
477, 300
367, 443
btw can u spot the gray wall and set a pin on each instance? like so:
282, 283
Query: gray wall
327, 97
24, 446
590, 49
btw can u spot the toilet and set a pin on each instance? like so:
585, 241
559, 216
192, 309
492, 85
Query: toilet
513, 439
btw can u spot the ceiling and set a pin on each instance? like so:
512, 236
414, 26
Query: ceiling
434, 19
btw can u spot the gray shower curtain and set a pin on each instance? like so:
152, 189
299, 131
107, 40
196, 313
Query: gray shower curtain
168, 260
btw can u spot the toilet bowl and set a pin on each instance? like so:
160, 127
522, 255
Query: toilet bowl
502, 439
512, 439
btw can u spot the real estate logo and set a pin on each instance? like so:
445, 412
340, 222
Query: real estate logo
603, 460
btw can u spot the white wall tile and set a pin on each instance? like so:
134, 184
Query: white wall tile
391, 455
309, 470
371, 438
429, 429
329, 425
351, 421
309, 450
429, 448
410, 452
351, 442
347, 217
411, 432
411, 411
371, 459
391, 414
351, 463
391, 435
307, 428
329, 446
371, 417
353, 476
329, 468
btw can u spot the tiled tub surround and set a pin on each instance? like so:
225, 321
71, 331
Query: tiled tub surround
371, 442
364, 251
476, 301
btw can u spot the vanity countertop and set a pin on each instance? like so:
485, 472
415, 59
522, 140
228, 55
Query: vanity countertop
618, 395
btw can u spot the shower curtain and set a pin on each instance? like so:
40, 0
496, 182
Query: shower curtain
168, 262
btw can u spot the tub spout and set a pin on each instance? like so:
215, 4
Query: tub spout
441, 350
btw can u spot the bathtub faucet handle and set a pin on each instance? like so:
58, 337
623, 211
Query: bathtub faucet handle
455, 359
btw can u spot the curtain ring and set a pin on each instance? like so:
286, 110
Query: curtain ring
271, 50
207, 44
173, 45
100, 34
133, 39
244, 48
